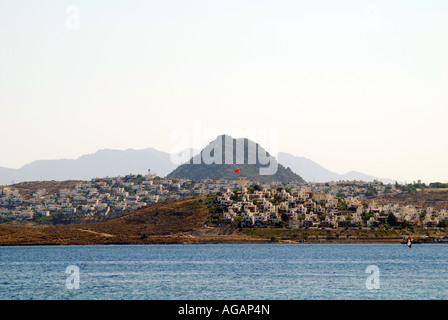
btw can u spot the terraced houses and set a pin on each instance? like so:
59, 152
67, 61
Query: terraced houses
302, 208
297, 205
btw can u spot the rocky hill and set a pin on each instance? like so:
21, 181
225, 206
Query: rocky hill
230, 159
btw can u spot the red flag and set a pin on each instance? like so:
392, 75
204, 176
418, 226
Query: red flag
237, 170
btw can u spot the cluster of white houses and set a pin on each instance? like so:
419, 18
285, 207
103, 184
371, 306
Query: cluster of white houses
298, 204
303, 208
107, 195
104, 196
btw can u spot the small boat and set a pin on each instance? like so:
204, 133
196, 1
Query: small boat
409, 243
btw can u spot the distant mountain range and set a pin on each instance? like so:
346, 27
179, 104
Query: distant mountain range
314, 172
231, 159
113, 163
102, 163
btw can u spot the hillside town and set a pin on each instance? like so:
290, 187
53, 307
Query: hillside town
304, 208
103, 196
248, 203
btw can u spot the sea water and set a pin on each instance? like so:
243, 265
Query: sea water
225, 271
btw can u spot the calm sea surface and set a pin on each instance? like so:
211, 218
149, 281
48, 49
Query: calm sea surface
225, 271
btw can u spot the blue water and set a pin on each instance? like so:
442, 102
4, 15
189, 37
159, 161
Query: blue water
225, 271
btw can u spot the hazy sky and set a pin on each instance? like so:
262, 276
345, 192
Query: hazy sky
352, 85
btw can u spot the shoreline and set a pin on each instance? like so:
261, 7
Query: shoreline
217, 240
93, 235
204, 243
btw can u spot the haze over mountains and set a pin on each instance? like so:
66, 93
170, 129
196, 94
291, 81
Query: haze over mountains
102, 163
112, 163
314, 172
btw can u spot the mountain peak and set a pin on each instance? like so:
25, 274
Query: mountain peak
224, 155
